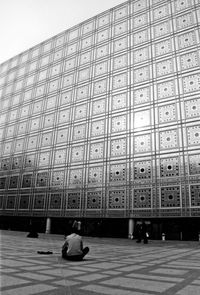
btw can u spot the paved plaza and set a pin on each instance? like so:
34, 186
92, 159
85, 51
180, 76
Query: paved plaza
113, 267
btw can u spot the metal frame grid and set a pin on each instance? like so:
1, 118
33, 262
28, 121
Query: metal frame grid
103, 119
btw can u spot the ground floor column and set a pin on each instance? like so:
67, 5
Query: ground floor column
48, 226
130, 228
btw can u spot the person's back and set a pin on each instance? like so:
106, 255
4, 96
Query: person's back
75, 245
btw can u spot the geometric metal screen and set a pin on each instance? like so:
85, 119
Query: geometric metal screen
103, 120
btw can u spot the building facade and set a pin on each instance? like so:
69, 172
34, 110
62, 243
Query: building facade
102, 122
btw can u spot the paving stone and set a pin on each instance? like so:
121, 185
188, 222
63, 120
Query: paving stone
113, 266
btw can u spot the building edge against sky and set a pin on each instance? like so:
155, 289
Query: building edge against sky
101, 123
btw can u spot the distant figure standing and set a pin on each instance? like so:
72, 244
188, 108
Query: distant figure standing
32, 231
141, 231
73, 246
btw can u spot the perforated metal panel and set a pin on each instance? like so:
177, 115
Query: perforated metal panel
142, 198
142, 170
55, 201
170, 197
94, 200
194, 164
169, 167
73, 201
117, 199
105, 117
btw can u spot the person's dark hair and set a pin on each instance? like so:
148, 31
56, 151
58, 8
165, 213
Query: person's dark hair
75, 228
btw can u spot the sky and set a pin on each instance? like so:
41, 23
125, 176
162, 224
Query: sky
25, 23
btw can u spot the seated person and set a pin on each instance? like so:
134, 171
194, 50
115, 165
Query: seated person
73, 246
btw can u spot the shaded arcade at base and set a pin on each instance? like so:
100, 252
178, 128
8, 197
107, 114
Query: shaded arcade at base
173, 229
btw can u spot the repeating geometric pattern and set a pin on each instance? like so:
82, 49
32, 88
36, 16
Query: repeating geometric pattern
66, 98
168, 139
85, 58
83, 74
16, 162
27, 180
55, 201
106, 116
165, 67
95, 175
191, 83
162, 29
141, 95
141, 55
98, 107
62, 136
64, 116
118, 147
76, 176
51, 102
140, 20
119, 101
186, 39
103, 35
190, 60
96, 150
80, 111
79, 132
120, 62
49, 120
73, 200
169, 167
29, 161
57, 178
97, 128
120, 28
142, 143
82, 92
160, 12
195, 195
13, 181
194, 164
142, 198
142, 170
141, 74
102, 51
117, 199
170, 196
120, 44
94, 200
46, 139
192, 108
101, 68
59, 157
10, 204
32, 142
42, 179
163, 47
70, 64
193, 135
120, 81
77, 154
142, 119
117, 173
166, 89
167, 113
24, 202
100, 87
140, 37
39, 202
118, 123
